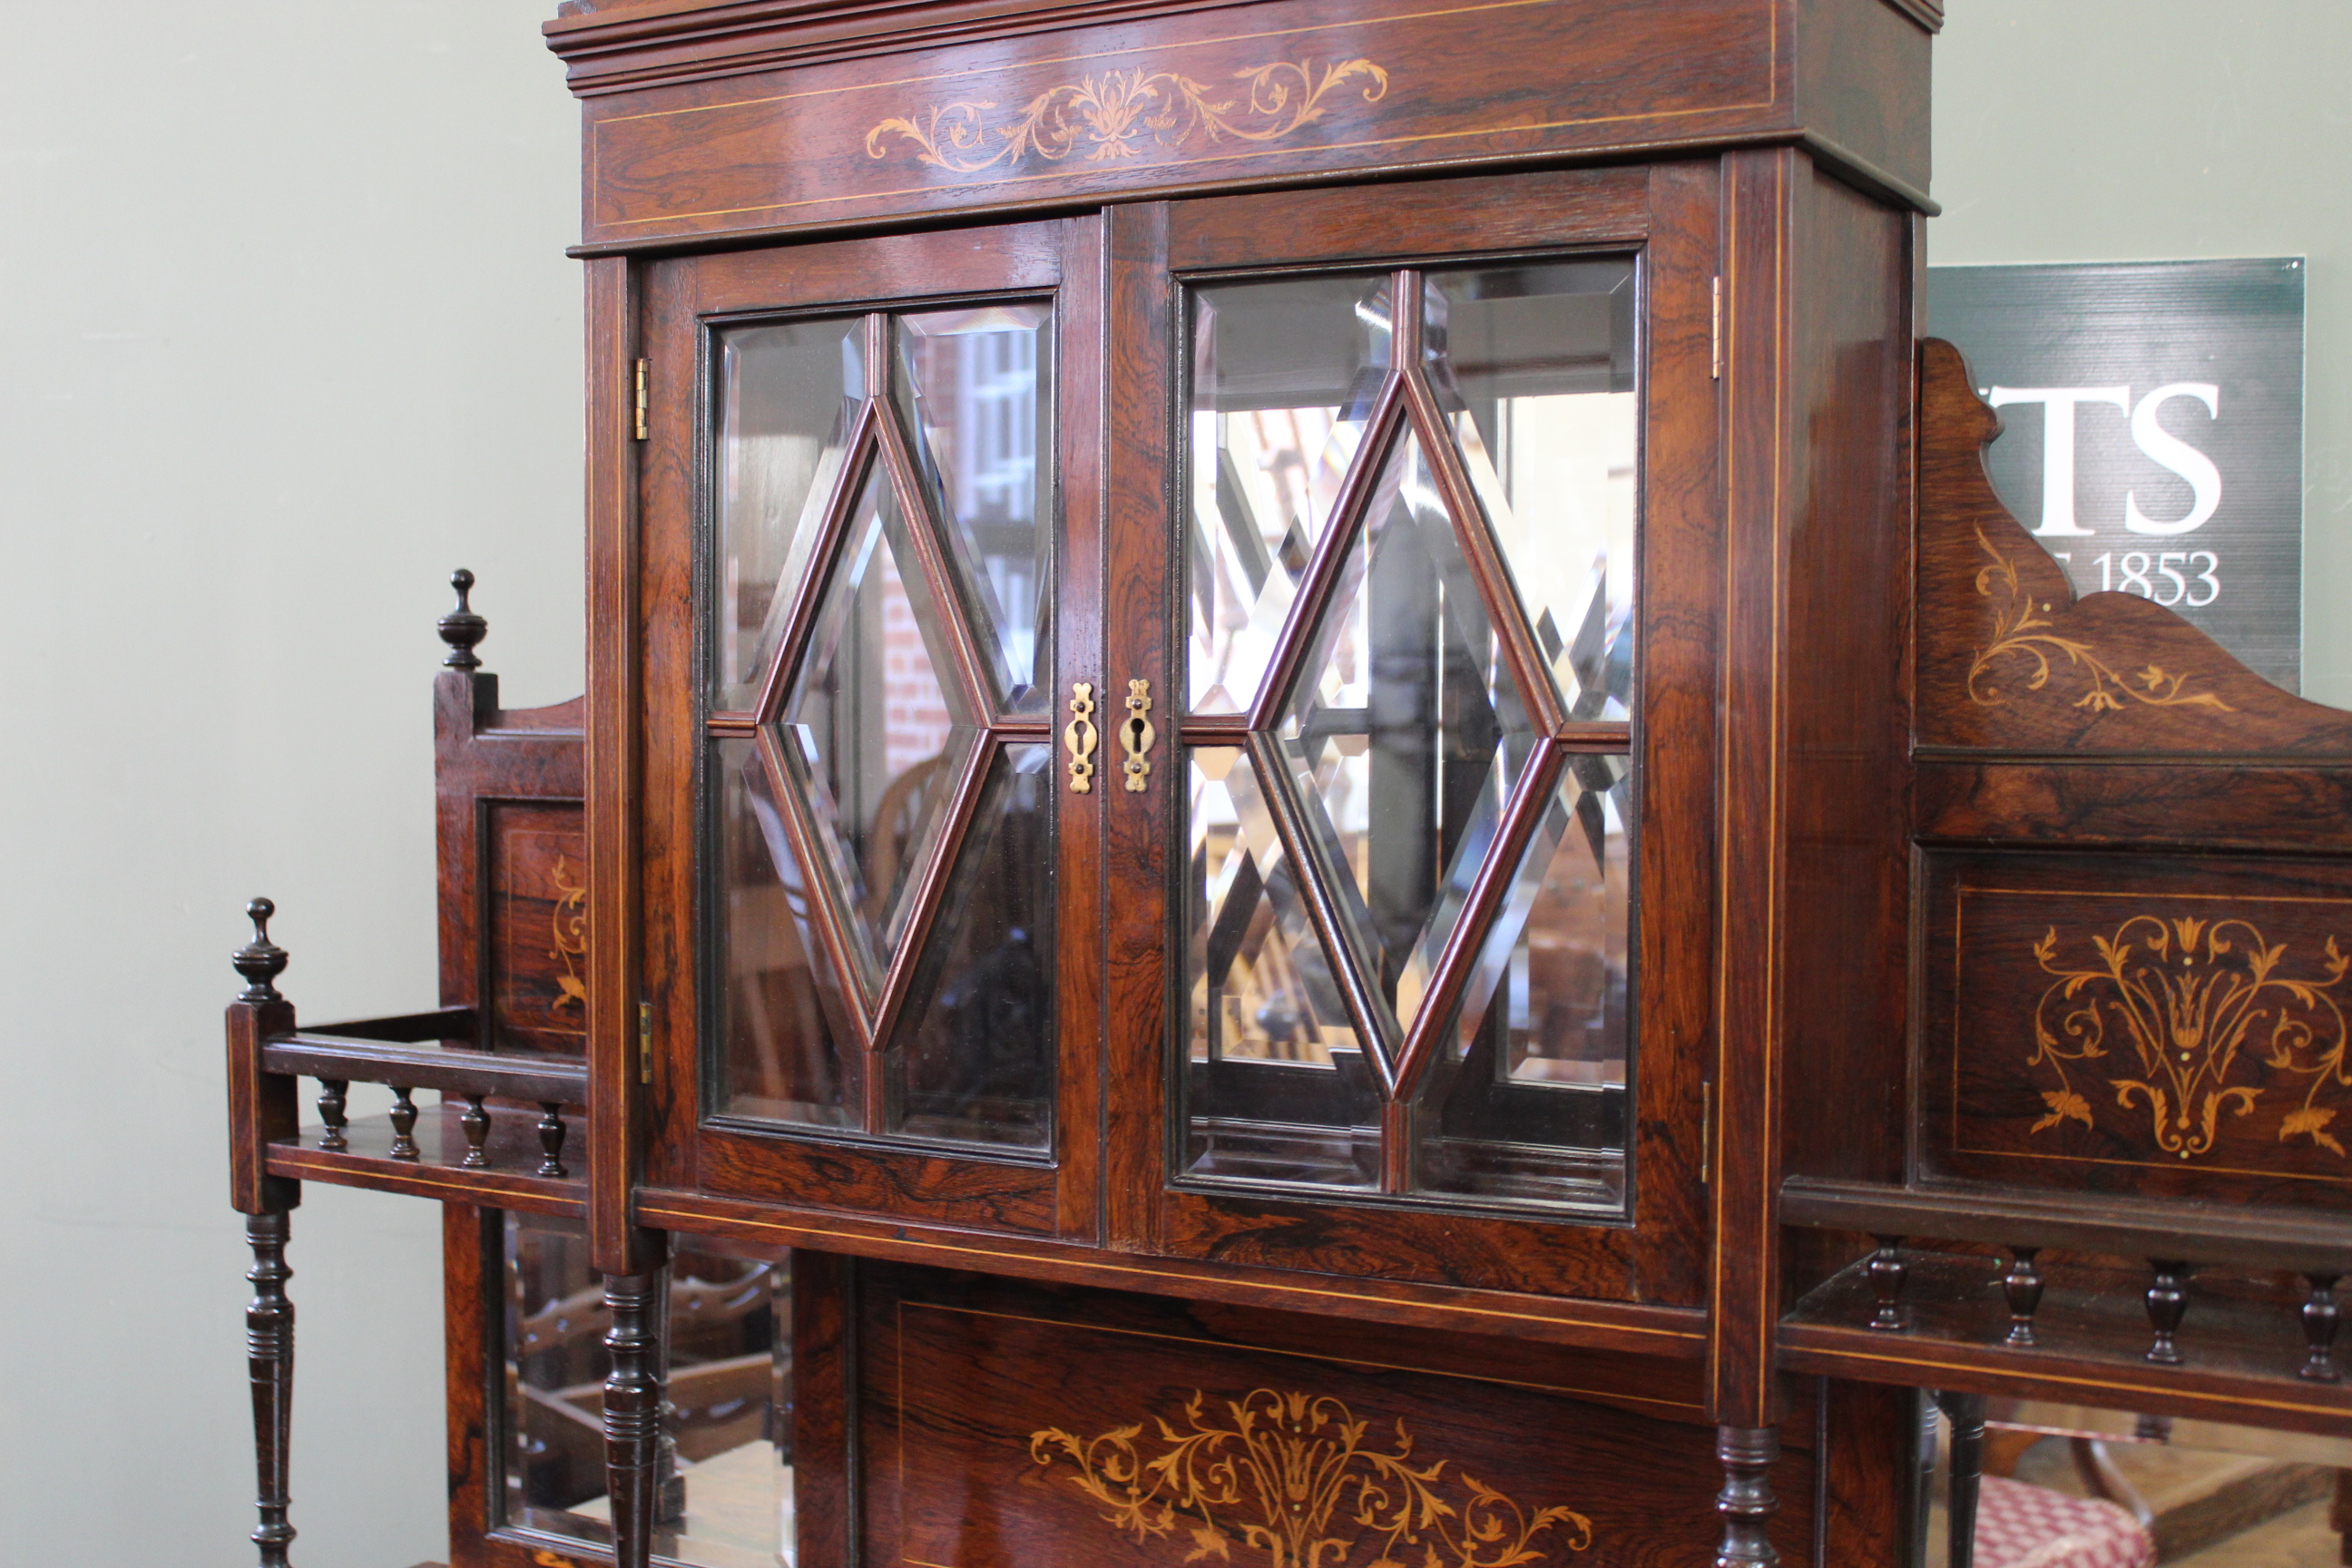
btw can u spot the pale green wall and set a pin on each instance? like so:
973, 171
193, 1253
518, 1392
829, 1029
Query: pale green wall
286, 332
2137, 130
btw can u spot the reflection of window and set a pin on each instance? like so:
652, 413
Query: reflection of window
727, 1502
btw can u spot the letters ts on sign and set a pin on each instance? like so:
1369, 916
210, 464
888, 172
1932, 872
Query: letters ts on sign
2152, 435
2161, 446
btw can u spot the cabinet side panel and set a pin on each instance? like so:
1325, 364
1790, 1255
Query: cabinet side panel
1848, 704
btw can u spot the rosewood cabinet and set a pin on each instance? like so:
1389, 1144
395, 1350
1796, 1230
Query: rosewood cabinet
1311, 827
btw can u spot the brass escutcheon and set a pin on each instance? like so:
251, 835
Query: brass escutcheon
1080, 737
1137, 735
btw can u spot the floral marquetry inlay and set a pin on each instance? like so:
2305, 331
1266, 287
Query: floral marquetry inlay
1292, 1480
1119, 113
569, 928
2201, 1006
2026, 641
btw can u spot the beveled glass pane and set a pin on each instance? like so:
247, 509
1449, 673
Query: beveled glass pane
1284, 375
1529, 1105
729, 1412
1405, 732
1534, 364
1275, 1083
788, 394
975, 389
875, 729
972, 1059
780, 1055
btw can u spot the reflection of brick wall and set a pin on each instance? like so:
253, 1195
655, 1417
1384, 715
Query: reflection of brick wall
914, 713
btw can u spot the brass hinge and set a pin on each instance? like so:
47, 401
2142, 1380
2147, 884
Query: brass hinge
644, 367
644, 1039
1714, 354
1705, 1129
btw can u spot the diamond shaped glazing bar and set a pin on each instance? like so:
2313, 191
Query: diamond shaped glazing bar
1494, 581
1380, 427
1368, 1010
964, 660
1404, 736
838, 949
799, 605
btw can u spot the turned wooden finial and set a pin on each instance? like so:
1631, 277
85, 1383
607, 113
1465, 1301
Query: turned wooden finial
261, 960
461, 628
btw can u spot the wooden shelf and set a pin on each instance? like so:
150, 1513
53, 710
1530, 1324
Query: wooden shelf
506, 1183
2240, 1360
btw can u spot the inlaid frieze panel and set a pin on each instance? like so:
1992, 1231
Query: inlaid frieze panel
2164, 1025
1010, 1424
1177, 101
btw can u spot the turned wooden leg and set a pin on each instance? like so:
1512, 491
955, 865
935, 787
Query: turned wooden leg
270, 1356
632, 1401
1967, 1413
1746, 1501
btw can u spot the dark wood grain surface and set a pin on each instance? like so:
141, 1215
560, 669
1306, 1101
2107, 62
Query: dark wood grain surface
984, 1403
2162, 1026
812, 119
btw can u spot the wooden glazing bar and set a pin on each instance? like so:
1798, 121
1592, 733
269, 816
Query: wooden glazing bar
827, 917
1528, 666
1383, 427
1367, 1010
1424, 1041
931, 551
930, 884
808, 593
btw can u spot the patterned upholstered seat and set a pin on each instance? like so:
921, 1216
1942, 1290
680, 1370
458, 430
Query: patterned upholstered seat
2023, 1526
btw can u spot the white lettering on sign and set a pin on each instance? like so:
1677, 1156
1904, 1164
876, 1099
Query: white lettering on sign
2162, 447
2058, 405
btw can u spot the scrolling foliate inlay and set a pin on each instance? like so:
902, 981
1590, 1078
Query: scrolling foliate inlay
1116, 114
2021, 635
2194, 999
1290, 1477
568, 925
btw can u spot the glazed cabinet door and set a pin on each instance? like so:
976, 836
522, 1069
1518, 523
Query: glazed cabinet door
867, 527
1429, 637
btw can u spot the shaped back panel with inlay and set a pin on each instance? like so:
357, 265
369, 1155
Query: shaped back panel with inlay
2135, 880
